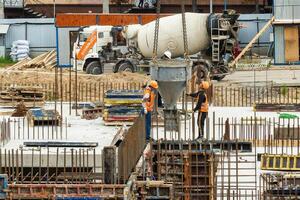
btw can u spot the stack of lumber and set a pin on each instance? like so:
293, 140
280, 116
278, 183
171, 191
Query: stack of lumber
43, 61
122, 107
30, 96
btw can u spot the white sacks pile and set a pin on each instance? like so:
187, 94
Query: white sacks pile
19, 50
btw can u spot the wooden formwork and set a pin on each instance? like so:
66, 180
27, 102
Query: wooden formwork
40, 117
131, 149
154, 190
191, 170
51, 191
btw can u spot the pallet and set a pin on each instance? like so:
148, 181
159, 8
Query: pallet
30, 96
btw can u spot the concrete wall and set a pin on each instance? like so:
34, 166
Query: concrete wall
40, 33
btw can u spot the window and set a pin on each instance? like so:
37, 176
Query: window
83, 36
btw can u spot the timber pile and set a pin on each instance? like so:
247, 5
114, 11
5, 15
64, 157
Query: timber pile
122, 106
30, 96
43, 61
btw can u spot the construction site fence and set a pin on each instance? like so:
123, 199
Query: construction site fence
51, 165
222, 96
5, 133
21, 128
84, 92
131, 149
245, 96
274, 134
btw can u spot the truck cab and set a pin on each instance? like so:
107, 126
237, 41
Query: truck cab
99, 52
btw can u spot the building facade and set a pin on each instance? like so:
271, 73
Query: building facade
286, 31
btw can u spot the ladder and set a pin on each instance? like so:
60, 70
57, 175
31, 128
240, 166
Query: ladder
217, 35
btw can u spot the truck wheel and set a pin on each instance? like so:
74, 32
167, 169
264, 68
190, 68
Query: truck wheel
90, 67
127, 67
202, 72
97, 70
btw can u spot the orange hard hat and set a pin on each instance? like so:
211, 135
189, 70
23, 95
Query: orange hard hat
204, 85
153, 84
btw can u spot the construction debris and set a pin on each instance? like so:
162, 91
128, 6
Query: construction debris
122, 106
92, 113
40, 117
20, 110
30, 96
44, 61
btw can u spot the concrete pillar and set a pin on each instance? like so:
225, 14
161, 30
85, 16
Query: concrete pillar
105, 6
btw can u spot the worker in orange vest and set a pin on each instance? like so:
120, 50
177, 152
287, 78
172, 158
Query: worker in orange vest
148, 104
201, 107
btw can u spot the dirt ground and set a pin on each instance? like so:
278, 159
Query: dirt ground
242, 78
31, 76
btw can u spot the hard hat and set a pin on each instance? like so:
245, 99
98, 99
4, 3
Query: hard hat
153, 84
168, 54
204, 85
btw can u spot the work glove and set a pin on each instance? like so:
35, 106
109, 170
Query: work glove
145, 111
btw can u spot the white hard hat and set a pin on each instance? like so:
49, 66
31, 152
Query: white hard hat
168, 54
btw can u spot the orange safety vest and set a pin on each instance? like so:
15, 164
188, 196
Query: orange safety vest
150, 102
204, 106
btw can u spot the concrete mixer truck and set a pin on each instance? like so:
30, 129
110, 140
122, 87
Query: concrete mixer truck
211, 38
211, 41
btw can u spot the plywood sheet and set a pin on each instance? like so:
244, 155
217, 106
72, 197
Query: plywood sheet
291, 38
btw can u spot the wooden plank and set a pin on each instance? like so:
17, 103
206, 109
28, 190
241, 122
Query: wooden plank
109, 164
291, 39
249, 45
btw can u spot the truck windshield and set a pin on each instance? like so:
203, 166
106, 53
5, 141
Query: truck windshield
83, 36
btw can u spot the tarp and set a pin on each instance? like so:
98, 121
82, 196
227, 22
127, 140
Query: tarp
287, 116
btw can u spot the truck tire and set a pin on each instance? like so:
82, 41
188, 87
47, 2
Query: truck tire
201, 71
97, 70
90, 69
126, 66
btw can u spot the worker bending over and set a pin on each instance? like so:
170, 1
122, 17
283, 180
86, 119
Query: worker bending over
148, 104
201, 107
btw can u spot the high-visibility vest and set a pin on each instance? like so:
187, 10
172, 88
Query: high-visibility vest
150, 102
204, 105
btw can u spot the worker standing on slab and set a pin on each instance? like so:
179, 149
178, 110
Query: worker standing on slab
148, 105
201, 107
